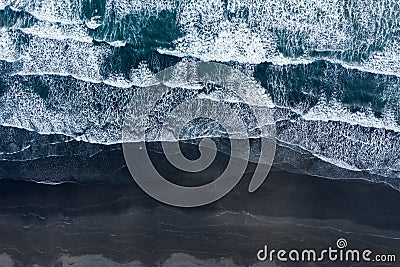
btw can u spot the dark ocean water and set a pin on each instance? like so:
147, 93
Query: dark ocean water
68, 70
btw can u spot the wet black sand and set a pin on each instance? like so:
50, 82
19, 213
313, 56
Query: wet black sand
103, 225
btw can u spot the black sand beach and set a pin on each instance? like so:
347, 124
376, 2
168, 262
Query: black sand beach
103, 225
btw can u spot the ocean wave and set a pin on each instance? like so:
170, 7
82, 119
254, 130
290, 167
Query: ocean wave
354, 132
326, 91
362, 36
43, 55
115, 22
75, 11
351, 147
32, 54
38, 153
335, 111
359, 34
332, 69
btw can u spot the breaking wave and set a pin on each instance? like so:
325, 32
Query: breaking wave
68, 68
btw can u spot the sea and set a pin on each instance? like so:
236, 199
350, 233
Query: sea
70, 68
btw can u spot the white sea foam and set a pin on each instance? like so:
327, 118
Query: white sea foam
122, 8
57, 32
281, 32
4, 4
77, 57
141, 77
94, 22
351, 147
303, 30
117, 43
335, 111
43, 55
69, 11
84, 112
65, 11
65, 14
270, 32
